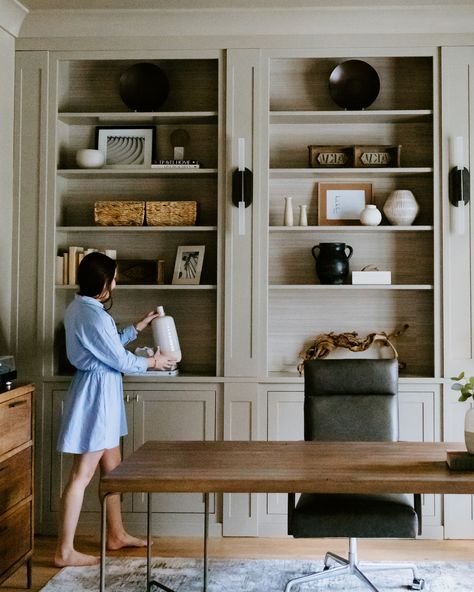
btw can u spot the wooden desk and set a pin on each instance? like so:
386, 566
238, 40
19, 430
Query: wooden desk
281, 467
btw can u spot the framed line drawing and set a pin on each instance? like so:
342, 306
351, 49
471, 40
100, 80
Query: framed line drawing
188, 265
342, 203
126, 147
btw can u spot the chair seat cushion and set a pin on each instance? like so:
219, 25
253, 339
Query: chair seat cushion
351, 515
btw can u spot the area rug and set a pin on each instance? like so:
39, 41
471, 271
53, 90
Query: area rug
259, 575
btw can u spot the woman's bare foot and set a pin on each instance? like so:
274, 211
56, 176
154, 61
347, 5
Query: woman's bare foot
74, 559
124, 540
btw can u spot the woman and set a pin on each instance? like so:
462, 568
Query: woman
94, 415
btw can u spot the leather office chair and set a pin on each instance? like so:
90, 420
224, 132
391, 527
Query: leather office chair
352, 400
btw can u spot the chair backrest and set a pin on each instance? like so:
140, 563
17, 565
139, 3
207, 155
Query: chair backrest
351, 400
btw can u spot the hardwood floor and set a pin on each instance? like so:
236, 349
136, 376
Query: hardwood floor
418, 550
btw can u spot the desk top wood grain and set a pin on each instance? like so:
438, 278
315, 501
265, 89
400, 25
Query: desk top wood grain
324, 467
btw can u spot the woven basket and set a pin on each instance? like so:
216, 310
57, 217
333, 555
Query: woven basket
119, 213
171, 213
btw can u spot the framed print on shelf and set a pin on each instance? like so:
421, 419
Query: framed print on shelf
188, 265
342, 203
126, 147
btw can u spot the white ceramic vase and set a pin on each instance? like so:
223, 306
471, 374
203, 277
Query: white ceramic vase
165, 335
89, 158
370, 215
401, 207
288, 214
469, 430
303, 221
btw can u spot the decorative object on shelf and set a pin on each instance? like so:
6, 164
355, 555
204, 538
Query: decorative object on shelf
171, 213
160, 272
89, 158
377, 156
165, 335
354, 84
326, 343
342, 203
119, 213
330, 156
459, 188
171, 163
288, 212
188, 265
303, 218
144, 87
401, 207
131, 147
179, 139
465, 387
242, 186
332, 262
370, 274
136, 271
370, 215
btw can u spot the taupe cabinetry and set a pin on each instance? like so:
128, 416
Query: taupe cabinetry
16, 480
154, 412
302, 113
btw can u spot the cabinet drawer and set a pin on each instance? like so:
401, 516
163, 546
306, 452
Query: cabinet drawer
15, 536
15, 422
15, 479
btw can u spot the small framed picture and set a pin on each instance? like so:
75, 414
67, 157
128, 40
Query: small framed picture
342, 203
126, 146
188, 265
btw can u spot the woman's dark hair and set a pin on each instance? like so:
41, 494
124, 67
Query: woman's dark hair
95, 274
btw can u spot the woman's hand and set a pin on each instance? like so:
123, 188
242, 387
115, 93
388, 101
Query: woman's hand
161, 362
140, 325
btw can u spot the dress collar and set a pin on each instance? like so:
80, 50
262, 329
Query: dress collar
89, 300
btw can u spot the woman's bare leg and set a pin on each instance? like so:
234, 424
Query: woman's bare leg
117, 537
82, 471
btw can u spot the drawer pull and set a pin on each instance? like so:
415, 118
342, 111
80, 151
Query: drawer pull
17, 403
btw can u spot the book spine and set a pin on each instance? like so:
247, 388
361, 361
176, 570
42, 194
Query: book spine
175, 166
73, 263
59, 276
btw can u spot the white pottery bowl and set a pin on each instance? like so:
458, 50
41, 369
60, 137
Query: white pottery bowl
89, 158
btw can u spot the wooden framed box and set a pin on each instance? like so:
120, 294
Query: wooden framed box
137, 271
377, 156
330, 156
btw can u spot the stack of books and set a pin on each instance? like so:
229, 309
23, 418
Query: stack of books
68, 262
175, 164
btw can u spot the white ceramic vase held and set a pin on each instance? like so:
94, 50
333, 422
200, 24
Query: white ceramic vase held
288, 215
401, 207
469, 430
370, 215
165, 335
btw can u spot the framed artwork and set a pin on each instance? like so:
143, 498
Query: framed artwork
126, 146
342, 203
188, 265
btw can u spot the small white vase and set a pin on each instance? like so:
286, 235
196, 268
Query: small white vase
89, 158
303, 221
469, 430
370, 215
288, 215
401, 207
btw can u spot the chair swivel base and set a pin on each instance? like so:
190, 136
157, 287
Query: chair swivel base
350, 566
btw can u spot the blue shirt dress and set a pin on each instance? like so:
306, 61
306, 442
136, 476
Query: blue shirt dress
94, 412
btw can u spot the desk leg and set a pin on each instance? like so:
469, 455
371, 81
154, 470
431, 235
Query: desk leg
151, 584
206, 532
103, 542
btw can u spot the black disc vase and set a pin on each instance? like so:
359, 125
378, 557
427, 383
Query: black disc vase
332, 262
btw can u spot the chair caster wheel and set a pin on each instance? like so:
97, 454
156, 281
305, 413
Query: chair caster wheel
326, 567
418, 584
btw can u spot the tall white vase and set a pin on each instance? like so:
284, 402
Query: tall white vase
165, 335
303, 220
469, 430
288, 214
401, 207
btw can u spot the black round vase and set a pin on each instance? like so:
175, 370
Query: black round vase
332, 262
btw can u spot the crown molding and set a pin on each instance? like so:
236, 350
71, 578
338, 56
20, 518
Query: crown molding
12, 14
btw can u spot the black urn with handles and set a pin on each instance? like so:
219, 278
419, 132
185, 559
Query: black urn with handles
332, 262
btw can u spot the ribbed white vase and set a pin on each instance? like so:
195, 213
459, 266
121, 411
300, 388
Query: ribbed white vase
469, 430
401, 207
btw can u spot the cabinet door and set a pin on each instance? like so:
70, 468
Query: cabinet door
419, 412
458, 269
173, 414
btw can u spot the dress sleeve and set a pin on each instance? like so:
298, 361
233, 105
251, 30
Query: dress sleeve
104, 343
127, 334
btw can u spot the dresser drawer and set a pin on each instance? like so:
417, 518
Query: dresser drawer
15, 422
15, 536
15, 479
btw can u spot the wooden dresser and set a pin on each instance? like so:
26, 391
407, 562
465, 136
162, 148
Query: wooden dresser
16, 480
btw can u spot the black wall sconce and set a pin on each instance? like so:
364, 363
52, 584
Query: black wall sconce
459, 188
242, 187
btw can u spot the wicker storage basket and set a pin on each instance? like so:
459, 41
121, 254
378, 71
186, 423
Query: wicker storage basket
171, 213
119, 213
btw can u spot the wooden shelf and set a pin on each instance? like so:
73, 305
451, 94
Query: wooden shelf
150, 287
285, 173
344, 117
347, 229
165, 117
319, 287
131, 173
134, 229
